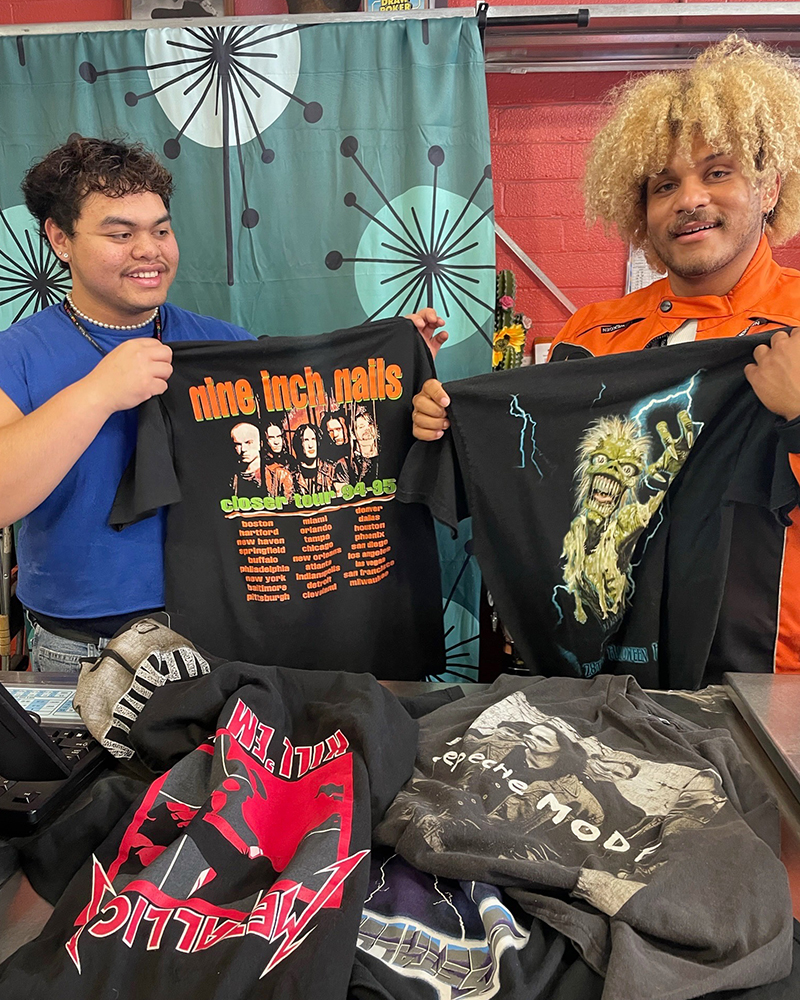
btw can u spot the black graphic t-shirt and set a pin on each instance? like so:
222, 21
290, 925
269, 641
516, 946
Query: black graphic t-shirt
608, 495
285, 541
240, 873
641, 837
423, 937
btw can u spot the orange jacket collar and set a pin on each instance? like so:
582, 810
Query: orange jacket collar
760, 275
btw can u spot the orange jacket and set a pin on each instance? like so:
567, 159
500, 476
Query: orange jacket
766, 297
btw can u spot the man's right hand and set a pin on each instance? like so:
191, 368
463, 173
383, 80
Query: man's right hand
131, 373
430, 417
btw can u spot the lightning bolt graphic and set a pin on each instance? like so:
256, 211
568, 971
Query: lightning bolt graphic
599, 396
527, 421
556, 605
447, 898
382, 883
295, 929
681, 391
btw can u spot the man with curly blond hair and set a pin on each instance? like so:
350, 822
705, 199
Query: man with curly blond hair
700, 168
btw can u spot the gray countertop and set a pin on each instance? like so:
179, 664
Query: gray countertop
770, 703
761, 711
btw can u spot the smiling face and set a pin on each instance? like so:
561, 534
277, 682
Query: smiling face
122, 255
704, 220
366, 435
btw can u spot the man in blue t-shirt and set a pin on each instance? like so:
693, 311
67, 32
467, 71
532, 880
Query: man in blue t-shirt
71, 377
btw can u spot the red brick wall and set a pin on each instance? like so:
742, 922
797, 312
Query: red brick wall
55, 11
540, 125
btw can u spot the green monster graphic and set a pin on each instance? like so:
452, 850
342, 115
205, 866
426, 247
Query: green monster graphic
610, 517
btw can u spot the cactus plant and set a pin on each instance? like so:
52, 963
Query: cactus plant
509, 330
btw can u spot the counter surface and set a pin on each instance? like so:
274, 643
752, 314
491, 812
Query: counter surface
742, 706
770, 704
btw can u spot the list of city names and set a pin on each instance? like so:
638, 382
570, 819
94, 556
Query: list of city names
319, 568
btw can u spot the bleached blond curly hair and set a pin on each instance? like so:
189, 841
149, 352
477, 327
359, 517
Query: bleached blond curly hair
742, 98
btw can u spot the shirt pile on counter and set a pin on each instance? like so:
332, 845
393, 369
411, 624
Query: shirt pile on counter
304, 835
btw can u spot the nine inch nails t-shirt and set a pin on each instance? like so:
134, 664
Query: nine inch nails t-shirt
286, 544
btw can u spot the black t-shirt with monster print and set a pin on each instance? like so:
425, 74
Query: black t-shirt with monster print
607, 496
315, 564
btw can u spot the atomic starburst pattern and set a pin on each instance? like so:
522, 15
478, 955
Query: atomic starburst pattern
425, 247
461, 654
31, 277
220, 86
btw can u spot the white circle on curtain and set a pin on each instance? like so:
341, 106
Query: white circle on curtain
31, 276
422, 250
198, 73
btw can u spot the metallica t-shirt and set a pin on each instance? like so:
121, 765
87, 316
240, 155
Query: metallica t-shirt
240, 872
613, 499
285, 540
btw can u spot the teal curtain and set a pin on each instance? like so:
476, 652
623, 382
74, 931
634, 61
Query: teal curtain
325, 174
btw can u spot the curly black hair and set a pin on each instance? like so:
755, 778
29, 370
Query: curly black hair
56, 186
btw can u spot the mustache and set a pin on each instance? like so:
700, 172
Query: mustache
686, 219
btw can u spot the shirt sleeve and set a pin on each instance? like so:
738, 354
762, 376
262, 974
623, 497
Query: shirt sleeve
789, 437
431, 475
150, 481
425, 366
766, 471
13, 376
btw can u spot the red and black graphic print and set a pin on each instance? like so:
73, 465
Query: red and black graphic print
243, 837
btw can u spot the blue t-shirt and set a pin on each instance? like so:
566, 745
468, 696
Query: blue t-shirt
71, 564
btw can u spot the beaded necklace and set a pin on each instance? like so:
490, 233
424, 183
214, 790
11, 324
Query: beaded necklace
71, 310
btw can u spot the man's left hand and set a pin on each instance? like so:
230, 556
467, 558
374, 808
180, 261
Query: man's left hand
427, 322
775, 376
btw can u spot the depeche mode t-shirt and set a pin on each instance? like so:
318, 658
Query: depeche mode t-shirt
646, 840
286, 543
608, 496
